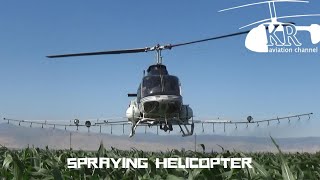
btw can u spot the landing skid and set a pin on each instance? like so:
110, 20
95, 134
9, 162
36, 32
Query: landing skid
164, 125
185, 132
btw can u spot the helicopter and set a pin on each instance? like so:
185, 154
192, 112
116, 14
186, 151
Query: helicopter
158, 101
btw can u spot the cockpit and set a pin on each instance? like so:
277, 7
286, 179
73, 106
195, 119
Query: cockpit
160, 85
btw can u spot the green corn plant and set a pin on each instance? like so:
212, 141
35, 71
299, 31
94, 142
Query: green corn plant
35, 163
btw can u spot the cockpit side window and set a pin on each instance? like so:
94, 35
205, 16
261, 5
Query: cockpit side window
139, 94
171, 84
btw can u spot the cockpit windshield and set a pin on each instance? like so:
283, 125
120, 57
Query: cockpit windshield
160, 85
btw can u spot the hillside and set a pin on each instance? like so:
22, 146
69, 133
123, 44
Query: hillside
19, 137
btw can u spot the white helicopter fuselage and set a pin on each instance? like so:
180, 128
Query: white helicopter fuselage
159, 102
160, 108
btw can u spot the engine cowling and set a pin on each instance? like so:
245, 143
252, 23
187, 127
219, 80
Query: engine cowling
133, 112
186, 113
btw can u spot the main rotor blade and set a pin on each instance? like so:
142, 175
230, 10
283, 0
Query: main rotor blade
210, 39
124, 51
146, 49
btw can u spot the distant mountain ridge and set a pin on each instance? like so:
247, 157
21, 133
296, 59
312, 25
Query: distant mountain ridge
13, 136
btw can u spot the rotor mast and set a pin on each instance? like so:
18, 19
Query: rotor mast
158, 49
159, 56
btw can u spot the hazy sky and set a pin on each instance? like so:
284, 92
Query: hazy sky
219, 78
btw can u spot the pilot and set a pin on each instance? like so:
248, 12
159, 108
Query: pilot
156, 89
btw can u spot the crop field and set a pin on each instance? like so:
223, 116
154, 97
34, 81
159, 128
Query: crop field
34, 163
